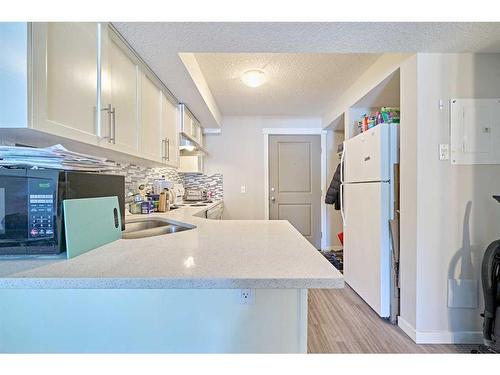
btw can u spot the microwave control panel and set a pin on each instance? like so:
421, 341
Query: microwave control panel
41, 208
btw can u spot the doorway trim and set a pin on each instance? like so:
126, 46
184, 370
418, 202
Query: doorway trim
297, 131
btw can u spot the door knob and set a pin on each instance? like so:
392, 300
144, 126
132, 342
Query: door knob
273, 199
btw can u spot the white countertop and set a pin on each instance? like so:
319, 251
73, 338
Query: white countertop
216, 254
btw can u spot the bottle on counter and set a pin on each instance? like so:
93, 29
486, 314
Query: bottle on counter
372, 122
146, 207
364, 126
359, 125
162, 203
135, 208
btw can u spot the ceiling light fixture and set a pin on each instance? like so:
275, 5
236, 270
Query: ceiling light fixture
254, 78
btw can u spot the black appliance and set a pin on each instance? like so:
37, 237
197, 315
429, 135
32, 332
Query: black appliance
31, 219
490, 276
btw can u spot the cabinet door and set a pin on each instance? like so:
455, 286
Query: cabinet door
170, 133
119, 93
195, 130
152, 144
191, 164
200, 136
65, 79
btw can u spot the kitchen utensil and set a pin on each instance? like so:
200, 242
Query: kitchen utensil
160, 185
178, 190
170, 196
195, 194
162, 205
90, 223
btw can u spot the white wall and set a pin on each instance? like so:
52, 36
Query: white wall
456, 218
408, 191
373, 76
238, 153
437, 240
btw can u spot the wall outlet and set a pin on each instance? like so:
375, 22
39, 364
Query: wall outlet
246, 297
243, 189
444, 151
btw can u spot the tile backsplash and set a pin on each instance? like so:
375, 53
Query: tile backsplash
136, 175
211, 183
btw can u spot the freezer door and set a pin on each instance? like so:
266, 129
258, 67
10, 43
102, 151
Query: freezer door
367, 245
367, 155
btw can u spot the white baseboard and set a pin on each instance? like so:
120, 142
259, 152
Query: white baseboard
407, 328
449, 337
440, 337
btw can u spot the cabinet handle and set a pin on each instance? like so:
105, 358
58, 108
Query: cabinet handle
111, 122
163, 157
113, 114
114, 125
167, 153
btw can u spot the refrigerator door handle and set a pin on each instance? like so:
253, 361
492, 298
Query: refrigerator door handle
342, 203
342, 164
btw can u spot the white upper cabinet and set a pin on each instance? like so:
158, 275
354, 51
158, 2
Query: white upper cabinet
14, 75
190, 125
196, 131
191, 164
151, 141
65, 79
87, 85
170, 131
119, 110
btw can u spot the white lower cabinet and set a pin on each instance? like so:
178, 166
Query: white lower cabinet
216, 212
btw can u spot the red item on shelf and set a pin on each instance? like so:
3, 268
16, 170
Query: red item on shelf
340, 235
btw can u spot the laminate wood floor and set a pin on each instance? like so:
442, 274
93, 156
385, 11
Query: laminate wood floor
339, 321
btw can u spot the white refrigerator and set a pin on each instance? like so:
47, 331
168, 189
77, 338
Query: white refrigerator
367, 205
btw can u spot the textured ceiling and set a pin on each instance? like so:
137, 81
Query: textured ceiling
297, 84
318, 37
160, 43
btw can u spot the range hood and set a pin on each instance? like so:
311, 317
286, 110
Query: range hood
189, 147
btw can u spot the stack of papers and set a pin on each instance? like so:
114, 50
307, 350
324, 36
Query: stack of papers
54, 157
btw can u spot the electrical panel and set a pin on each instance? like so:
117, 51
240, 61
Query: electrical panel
475, 131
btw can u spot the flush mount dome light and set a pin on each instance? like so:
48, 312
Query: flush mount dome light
254, 78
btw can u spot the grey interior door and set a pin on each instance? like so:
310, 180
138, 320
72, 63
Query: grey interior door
295, 183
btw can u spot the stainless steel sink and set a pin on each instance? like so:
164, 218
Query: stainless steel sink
149, 227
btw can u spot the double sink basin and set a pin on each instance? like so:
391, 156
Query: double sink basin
149, 227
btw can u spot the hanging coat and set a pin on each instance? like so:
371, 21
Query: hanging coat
333, 192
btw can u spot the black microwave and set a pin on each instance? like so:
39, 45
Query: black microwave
31, 206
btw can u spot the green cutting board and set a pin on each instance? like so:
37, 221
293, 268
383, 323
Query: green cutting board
90, 223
